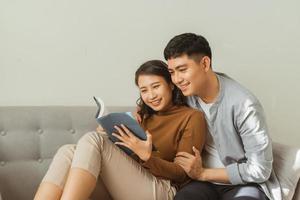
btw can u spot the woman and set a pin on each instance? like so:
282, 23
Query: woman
170, 126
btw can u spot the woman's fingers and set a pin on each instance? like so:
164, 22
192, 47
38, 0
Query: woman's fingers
121, 132
127, 131
119, 137
122, 144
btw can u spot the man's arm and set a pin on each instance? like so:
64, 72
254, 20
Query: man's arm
192, 165
257, 166
252, 128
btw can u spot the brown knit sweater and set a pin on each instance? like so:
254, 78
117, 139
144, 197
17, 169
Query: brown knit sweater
177, 129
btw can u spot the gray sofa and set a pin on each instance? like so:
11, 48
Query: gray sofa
30, 136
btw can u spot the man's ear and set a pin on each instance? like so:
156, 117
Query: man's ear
206, 63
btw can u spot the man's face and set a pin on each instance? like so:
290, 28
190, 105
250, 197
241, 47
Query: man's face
189, 75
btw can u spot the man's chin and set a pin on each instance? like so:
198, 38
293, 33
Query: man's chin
187, 93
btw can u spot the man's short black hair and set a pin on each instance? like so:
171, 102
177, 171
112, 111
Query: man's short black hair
189, 44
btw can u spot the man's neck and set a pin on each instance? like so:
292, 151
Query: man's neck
211, 91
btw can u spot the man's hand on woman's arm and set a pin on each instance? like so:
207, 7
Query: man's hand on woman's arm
192, 165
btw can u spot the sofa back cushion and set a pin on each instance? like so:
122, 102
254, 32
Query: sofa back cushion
29, 138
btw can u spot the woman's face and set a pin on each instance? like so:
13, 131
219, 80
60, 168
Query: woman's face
155, 92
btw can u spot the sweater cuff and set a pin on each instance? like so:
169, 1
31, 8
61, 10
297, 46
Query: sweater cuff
147, 164
234, 174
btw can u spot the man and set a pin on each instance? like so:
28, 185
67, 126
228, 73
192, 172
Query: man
237, 159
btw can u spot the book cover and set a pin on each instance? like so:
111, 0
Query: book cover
116, 119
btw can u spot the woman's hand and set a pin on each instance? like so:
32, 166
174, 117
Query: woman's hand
142, 148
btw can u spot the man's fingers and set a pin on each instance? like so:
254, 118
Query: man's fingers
136, 115
183, 160
182, 164
149, 136
185, 155
196, 151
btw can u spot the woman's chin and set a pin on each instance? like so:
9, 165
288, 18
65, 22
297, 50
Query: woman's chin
157, 108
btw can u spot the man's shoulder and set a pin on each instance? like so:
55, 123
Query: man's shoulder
234, 91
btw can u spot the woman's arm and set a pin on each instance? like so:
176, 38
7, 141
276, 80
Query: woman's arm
193, 134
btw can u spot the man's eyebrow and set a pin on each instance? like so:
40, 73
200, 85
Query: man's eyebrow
179, 66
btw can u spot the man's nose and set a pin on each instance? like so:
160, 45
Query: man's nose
177, 78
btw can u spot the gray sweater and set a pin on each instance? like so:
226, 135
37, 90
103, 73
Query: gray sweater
238, 127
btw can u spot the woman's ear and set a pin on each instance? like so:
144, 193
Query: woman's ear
172, 86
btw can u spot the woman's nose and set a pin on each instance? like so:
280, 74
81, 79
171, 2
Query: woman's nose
152, 94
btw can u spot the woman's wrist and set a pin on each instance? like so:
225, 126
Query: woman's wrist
146, 156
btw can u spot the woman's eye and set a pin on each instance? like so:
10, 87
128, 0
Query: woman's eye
155, 86
143, 91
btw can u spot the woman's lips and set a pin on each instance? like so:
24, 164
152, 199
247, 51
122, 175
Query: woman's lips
156, 102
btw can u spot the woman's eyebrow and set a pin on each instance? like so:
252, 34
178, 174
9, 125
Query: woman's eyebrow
157, 82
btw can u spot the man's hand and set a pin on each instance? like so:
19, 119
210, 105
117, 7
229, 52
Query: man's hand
191, 164
136, 115
140, 147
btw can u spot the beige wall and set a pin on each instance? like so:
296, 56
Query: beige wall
62, 52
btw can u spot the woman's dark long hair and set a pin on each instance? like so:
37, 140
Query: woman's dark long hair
158, 68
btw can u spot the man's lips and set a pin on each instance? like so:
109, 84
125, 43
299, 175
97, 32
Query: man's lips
183, 86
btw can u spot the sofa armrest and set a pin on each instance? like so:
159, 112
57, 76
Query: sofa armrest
297, 192
287, 168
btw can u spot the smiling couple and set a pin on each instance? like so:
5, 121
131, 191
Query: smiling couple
210, 134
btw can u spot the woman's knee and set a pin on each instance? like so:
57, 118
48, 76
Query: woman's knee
66, 151
93, 138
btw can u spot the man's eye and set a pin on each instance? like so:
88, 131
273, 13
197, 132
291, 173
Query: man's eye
183, 70
171, 72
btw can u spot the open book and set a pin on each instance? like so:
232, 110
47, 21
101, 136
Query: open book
116, 119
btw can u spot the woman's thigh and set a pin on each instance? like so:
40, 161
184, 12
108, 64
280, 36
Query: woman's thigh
124, 178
